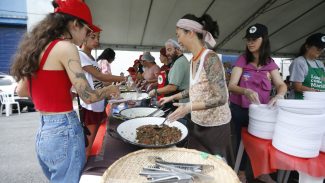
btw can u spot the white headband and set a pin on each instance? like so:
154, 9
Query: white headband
192, 25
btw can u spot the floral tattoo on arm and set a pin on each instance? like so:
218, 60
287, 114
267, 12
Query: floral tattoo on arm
185, 93
83, 88
217, 82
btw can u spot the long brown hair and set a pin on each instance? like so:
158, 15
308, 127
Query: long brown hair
26, 59
264, 52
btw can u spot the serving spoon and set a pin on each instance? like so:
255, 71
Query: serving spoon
162, 124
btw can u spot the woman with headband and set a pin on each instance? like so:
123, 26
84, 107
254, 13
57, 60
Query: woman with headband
209, 130
46, 65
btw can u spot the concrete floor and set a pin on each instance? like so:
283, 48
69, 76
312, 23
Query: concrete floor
18, 162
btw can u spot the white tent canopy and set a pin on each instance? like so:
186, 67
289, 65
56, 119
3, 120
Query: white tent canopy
147, 24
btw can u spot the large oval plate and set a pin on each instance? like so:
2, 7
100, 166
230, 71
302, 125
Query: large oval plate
138, 112
127, 130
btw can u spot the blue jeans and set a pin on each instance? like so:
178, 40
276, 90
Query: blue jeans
60, 147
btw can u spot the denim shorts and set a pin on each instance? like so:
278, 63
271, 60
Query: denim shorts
60, 147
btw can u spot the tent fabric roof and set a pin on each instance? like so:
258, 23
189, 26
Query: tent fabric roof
147, 24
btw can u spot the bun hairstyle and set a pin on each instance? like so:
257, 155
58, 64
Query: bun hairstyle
207, 22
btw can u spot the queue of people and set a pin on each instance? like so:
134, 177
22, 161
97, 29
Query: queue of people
196, 90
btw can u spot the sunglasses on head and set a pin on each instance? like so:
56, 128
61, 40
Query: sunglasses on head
89, 30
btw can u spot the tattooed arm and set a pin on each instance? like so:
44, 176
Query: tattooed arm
70, 60
217, 83
185, 94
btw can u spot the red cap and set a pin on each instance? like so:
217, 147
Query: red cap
136, 62
96, 29
131, 69
78, 9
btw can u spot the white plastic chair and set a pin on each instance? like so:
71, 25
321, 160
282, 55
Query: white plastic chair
7, 99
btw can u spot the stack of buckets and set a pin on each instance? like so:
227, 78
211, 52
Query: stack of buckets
262, 120
296, 127
320, 96
299, 127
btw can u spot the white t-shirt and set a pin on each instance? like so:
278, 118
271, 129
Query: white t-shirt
93, 82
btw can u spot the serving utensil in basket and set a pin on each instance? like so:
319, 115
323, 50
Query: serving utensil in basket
200, 168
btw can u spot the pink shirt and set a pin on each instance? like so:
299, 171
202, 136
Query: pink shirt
259, 80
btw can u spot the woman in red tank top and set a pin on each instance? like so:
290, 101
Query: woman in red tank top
46, 65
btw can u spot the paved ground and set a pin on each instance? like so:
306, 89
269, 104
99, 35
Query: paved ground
18, 162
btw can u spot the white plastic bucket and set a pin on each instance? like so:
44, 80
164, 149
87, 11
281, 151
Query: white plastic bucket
322, 148
262, 120
263, 112
308, 107
299, 135
314, 95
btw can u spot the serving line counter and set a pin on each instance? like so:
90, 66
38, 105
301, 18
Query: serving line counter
114, 160
106, 149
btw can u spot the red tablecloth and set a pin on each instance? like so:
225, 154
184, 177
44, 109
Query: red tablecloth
98, 141
266, 159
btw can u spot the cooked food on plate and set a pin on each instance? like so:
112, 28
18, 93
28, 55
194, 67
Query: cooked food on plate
156, 135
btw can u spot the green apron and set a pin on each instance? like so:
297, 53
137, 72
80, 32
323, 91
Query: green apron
315, 79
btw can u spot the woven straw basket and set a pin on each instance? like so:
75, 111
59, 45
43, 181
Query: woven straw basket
127, 168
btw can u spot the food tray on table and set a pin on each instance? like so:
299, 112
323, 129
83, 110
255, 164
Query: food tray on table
134, 96
127, 168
